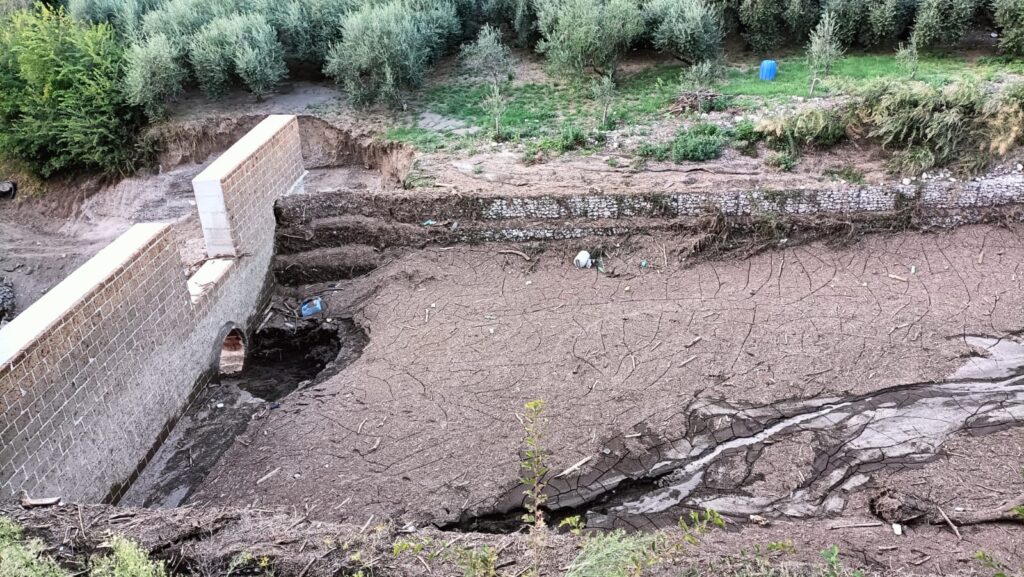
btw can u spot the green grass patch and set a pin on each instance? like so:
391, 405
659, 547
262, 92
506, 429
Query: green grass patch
794, 77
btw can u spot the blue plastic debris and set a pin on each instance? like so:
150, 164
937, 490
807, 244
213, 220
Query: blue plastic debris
311, 306
769, 69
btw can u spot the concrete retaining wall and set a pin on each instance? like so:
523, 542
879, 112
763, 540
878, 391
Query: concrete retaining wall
97, 371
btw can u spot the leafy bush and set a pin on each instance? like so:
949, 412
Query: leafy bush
180, 20
1009, 16
581, 34
690, 30
23, 558
305, 28
800, 17
871, 22
655, 151
154, 75
519, 14
488, 57
784, 160
763, 23
927, 126
61, 106
126, 560
809, 127
386, 47
700, 143
244, 45
701, 76
571, 137
943, 22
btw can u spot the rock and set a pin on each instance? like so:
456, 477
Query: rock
906, 182
6, 300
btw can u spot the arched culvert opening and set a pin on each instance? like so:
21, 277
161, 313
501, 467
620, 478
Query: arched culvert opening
232, 354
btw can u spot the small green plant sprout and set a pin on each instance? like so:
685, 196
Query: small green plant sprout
784, 161
702, 76
24, 557
575, 523
906, 55
1018, 512
533, 463
824, 49
495, 105
239, 563
126, 560
603, 90
699, 524
480, 562
991, 563
785, 547
402, 546
834, 566
615, 554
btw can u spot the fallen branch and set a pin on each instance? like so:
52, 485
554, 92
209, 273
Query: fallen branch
515, 252
1009, 511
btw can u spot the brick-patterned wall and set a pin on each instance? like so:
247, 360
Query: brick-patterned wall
94, 374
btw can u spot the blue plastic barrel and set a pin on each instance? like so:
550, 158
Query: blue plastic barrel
769, 68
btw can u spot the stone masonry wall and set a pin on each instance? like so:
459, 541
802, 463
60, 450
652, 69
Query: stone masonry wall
94, 375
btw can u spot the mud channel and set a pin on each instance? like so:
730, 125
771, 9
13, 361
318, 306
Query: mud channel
792, 388
282, 358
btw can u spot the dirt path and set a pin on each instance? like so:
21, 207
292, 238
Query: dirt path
646, 371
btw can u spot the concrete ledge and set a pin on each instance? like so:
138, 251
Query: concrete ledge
51, 308
208, 277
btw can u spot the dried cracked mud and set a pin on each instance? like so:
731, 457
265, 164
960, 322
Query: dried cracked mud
794, 385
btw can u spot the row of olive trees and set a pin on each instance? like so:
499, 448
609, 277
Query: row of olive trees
377, 48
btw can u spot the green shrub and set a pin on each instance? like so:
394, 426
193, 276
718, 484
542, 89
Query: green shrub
61, 106
943, 22
690, 30
1009, 16
871, 22
582, 34
615, 554
654, 151
700, 143
571, 137
23, 558
243, 45
784, 160
126, 560
387, 47
180, 20
488, 57
305, 28
801, 16
154, 75
520, 15
763, 24
811, 127
927, 126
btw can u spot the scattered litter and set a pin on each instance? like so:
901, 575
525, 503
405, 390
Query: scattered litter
632, 435
694, 341
311, 307
913, 269
529, 282
897, 277
583, 260
220, 405
268, 475
574, 468
428, 223
688, 361
627, 289
857, 525
644, 264
275, 406
759, 521
897, 529
408, 528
